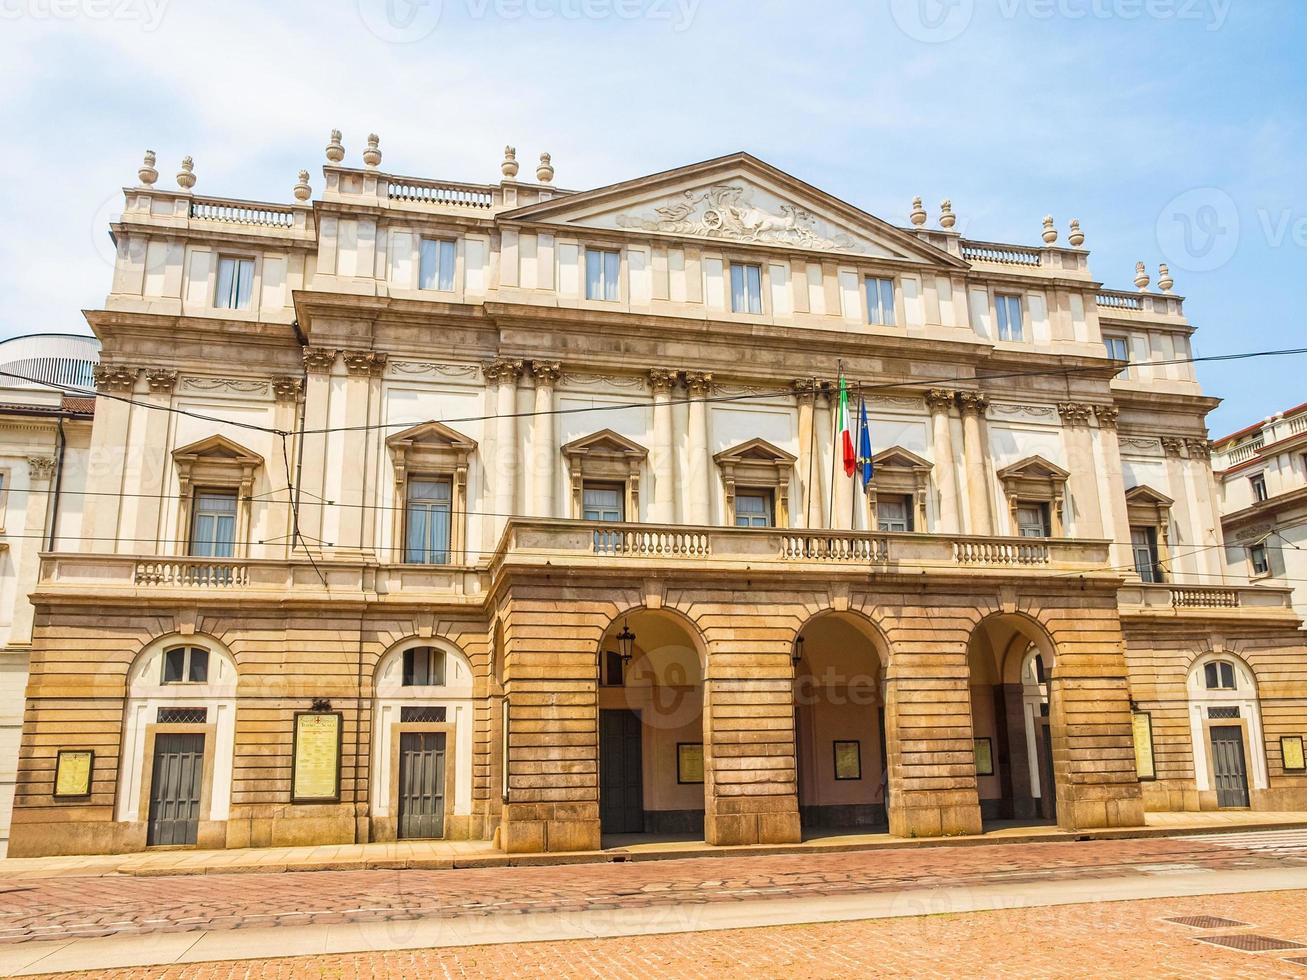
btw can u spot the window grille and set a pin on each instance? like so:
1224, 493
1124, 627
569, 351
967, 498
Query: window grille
421, 713
183, 716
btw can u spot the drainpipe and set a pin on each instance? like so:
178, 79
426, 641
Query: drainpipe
53, 518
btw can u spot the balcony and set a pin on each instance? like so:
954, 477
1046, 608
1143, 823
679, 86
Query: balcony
1243, 602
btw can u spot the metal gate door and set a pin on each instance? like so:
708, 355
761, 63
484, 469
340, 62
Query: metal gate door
621, 773
1228, 762
175, 789
421, 785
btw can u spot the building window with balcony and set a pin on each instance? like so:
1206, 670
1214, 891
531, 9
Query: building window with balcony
1143, 543
1008, 312
1260, 559
186, 665
437, 259
213, 524
1258, 482
602, 274
1218, 675
603, 502
604, 470
235, 283
894, 512
424, 667
880, 301
1036, 492
746, 287
427, 523
754, 508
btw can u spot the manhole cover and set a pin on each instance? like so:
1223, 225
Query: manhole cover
1251, 944
1206, 922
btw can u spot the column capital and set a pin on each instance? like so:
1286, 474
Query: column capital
502, 370
1199, 448
699, 383
1107, 415
972, 402
115, 377
1172, 445
1074, 413
941, 399
286, 389
40, 467
365, 362
161, 379
805, 390
546, 373
319, 360
660, 379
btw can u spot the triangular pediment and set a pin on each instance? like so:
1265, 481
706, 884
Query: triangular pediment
1144, 494
605, 442
1034, 468
432, 434
218, 449
736, 199
898, 457
755, 451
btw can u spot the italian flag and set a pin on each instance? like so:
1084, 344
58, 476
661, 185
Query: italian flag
846, 437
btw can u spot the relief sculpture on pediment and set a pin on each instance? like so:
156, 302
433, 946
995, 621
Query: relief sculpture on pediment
726, 211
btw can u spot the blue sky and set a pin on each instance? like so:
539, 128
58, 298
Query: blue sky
1173, 129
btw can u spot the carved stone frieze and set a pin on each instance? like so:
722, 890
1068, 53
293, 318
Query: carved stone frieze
583, 380
1141, 445
225, 384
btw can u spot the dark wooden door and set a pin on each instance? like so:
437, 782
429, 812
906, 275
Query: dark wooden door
175, 789
1228, 763
621, 773
421, 785
1048, 779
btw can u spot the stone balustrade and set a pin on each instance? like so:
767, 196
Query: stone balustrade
241, 213
413, 190
1243, 601
1000, 254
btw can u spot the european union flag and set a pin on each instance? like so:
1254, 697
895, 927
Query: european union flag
864, 444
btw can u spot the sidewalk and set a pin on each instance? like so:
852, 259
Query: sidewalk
433, 855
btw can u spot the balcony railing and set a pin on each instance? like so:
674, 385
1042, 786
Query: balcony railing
1188, 600
242, 214
1204, 598
1244, 451
834, 547
997, 552
445, 194
1000, 254
1113, 300
204, 573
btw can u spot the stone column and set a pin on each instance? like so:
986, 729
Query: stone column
824, 451
36, 512
973, 405
108, 456
1118, 527
1183, 557
805, 394
543, 427
699, 485
287, 391
503, 373
1212, 560
941, 402
1085, 507
663, 460
318, 364
147, 458
364, 369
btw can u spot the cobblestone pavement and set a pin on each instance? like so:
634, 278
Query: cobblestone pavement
1114, 939
70, 907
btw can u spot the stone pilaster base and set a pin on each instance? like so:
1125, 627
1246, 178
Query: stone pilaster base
1095, 807
531, 828
934, 813
752, 820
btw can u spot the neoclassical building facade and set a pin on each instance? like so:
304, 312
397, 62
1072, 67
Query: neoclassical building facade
500, 511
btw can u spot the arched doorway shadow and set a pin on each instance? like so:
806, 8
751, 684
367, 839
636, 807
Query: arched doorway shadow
1011, 662
839, 723
651, 733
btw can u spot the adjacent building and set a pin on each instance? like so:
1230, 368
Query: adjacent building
501, 511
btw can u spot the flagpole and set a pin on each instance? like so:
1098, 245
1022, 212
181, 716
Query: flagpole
835, 446
812, 453
857, 469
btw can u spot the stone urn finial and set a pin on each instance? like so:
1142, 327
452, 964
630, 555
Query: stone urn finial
186, 176
335, 148
918, 214
1141, 276
1077, 237
545, 172
1164, 281
148, 174
947, 219
509, 167
372, 155
1050, 230
302, 189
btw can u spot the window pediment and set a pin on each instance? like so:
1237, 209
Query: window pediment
1034, 468
606, 456
605, 444
1147, 496
216, 461
1035, 480
757, 464
430, 446
900, 472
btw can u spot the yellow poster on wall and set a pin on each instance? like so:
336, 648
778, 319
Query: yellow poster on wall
317, 757
72, 773
1291, 747
1142, 723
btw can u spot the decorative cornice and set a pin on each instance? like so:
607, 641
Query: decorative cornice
369, 363
661, 379
1074, 413
40, 467
972, 402
699, 383
1107, 415
228, 384
1172, 445
1146, 444
1199, 448
434, 367
319, 360
608, 380
115, 377
546, 373
287, 389
502, 371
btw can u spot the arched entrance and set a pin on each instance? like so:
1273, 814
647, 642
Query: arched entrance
1225, 726
1011, 662
651, 741
839, 719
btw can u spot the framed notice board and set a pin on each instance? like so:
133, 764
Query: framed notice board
1142, 724
315, 767
72, 773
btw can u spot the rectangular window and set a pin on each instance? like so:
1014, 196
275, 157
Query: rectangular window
1118, 348
753, 508
235, 283
437, 260
185, 665
746, 288
1143, 541
1258, 482
603, 502
894, 513
213, 524
1260, 558
613, 670
880, 301
1032, 520
427, 516
1009, 316
602, 274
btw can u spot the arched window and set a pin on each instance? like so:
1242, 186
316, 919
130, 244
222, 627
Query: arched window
424, 667
185, 665
1218, 675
